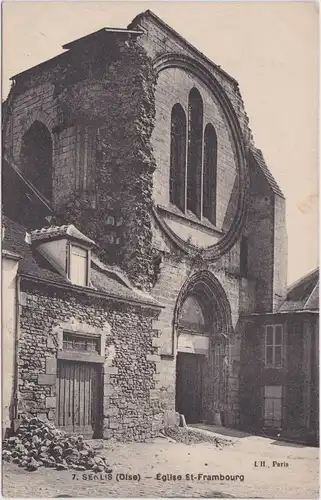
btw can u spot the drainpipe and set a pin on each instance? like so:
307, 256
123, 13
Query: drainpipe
16, 357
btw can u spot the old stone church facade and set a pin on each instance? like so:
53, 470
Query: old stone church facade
143, 144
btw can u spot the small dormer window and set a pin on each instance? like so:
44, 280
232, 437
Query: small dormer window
79, 265
67, 250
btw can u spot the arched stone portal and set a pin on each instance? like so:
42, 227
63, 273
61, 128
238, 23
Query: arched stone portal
203, 326
36, 158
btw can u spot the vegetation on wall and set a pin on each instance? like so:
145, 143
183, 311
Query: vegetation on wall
117, 98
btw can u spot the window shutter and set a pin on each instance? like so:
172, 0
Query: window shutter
78, 266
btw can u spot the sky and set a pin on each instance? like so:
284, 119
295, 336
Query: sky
270, 48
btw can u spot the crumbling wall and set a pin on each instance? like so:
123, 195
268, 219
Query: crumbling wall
97, 102
119, 102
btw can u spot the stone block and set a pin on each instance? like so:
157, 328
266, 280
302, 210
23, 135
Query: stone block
113, 370
156, 324
108, 433
51, 342
153, 357
51, 402
154, 394
45, 379
108, 390
51, 415
51, 365
23, 299
171, 418
156, 342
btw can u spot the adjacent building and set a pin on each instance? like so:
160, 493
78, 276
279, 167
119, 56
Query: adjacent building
280, 364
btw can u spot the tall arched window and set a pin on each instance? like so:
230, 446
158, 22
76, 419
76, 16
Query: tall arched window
36, 158
178, 157
192, 316
194, 164
209, 173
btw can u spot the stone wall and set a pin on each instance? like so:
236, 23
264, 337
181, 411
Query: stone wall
37, 102
130, 409
260, 231
98, 105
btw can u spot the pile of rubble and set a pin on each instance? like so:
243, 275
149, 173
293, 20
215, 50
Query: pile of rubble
39, 443
194, 436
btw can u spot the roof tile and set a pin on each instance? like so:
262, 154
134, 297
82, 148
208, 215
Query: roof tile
65, 231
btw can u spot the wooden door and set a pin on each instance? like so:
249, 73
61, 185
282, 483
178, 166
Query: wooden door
79, 405
189, 386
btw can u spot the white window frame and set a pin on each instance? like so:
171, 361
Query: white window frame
273, 345
69, 254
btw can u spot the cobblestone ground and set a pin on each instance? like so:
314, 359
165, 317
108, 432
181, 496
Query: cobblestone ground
162, 457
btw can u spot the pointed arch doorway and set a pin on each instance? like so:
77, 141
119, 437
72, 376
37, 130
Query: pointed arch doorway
191, 359
202, 324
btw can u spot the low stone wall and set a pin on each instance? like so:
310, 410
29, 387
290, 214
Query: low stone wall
130, 357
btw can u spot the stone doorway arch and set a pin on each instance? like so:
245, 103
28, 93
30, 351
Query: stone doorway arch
202, 329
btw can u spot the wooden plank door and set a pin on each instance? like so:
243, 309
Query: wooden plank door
78, 397
189, 386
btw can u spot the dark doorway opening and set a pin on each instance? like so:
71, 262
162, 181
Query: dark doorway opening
189, 386
36, 158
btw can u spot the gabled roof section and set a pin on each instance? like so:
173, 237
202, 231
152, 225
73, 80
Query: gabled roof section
303, 294
106, 282
31, 262
55, 232
258, 157
149, 14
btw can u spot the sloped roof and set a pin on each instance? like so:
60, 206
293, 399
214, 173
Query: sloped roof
33, 264
303, 294
54, 232
259, 158
151, 15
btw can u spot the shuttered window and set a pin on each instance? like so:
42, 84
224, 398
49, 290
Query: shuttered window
78, 266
